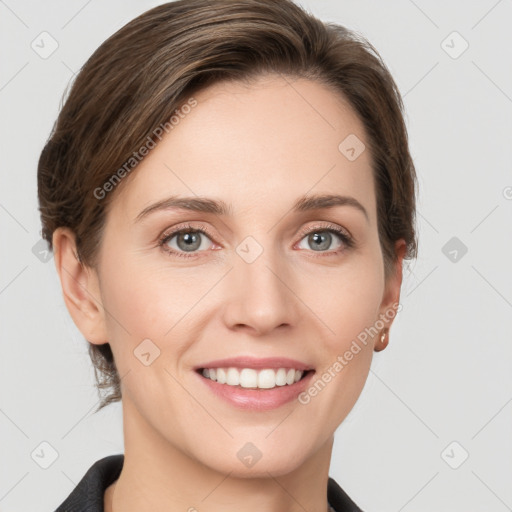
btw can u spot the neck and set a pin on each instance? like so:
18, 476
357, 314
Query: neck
159, 476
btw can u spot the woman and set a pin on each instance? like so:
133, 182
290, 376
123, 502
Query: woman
229, 195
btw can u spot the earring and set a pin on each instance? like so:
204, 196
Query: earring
383, 341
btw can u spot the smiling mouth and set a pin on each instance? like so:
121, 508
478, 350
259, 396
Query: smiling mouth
250, 378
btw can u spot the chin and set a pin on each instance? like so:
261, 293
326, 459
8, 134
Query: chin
258, 458
275, 466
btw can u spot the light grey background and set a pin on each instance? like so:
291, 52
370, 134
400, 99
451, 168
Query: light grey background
446, 375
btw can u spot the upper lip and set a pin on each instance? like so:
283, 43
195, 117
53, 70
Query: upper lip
254, 362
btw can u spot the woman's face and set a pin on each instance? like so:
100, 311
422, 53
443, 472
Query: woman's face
254, 285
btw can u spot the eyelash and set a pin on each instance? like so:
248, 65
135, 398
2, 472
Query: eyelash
347, 240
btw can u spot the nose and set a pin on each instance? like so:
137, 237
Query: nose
260, 296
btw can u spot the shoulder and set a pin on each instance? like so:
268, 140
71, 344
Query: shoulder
339, 499
87, 496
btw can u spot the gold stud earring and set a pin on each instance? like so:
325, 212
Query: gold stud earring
383, 341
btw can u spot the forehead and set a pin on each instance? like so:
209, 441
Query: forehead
271, 140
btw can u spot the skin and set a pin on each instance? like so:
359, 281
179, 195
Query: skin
258, 148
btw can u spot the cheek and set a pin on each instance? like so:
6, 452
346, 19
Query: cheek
145, 302
348, 300
350, 310
146, 312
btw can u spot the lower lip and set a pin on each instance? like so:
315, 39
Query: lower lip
258, 399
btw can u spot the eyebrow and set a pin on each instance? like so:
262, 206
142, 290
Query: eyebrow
220, 208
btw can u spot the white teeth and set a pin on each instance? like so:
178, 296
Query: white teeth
251, 378
232, 377
281, 377
221, 376
267, 379
248, 378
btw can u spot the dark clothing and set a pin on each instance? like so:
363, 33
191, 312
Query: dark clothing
88, 494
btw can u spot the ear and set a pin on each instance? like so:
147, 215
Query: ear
80, 288
391, 297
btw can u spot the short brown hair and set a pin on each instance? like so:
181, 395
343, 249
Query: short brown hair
137, 79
